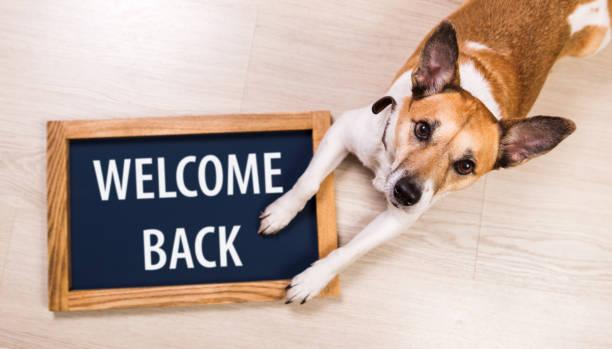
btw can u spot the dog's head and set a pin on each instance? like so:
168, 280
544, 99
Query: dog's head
445, 139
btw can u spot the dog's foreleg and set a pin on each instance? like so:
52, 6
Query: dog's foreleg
332, 150
385, 226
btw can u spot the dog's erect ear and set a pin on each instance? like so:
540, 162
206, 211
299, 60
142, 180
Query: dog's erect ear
383, 103
438, 63
524, 139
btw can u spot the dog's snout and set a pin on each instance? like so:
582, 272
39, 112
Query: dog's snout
406, 192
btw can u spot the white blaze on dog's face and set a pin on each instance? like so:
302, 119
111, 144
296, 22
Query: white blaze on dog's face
445, 139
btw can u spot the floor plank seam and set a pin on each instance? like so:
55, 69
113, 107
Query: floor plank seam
482, 208
4, 256
248, 66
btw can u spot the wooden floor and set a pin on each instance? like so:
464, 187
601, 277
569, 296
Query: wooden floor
521, 260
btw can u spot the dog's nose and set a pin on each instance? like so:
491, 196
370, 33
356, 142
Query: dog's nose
406, 192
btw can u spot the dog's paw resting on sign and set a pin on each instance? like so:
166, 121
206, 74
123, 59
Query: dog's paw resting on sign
276, 216
309, 283
443, 123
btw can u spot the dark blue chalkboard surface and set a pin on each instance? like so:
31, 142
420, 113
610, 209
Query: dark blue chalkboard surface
111, 207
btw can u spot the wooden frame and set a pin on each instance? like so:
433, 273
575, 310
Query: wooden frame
60, 133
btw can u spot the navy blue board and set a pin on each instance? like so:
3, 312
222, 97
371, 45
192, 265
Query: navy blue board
106, 237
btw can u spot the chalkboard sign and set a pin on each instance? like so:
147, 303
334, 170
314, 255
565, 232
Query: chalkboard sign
165, 211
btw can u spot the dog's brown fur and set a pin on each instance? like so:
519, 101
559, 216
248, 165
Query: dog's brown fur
526, 38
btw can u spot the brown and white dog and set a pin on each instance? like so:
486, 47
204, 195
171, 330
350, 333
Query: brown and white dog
456, 110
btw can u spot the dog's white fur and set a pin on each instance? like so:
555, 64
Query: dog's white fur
593, 13
479, 87
474, 45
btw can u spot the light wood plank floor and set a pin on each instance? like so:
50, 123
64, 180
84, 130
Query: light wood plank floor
523, 259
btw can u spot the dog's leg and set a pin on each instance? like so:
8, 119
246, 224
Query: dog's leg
332, 150
385, 226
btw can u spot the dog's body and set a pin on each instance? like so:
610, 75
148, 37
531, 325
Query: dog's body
455, 111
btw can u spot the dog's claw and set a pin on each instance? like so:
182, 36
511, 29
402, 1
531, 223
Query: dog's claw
288, 286
304, 300
290, 300
262, 229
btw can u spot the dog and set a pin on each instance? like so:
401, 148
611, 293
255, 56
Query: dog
455, 111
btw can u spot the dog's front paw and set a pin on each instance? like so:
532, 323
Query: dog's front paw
278, 214
308, 283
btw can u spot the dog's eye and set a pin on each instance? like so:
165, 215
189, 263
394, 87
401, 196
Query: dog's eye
422, 131
464, 167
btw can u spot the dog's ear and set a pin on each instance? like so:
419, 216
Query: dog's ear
383, 103
438, 62
524, 139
